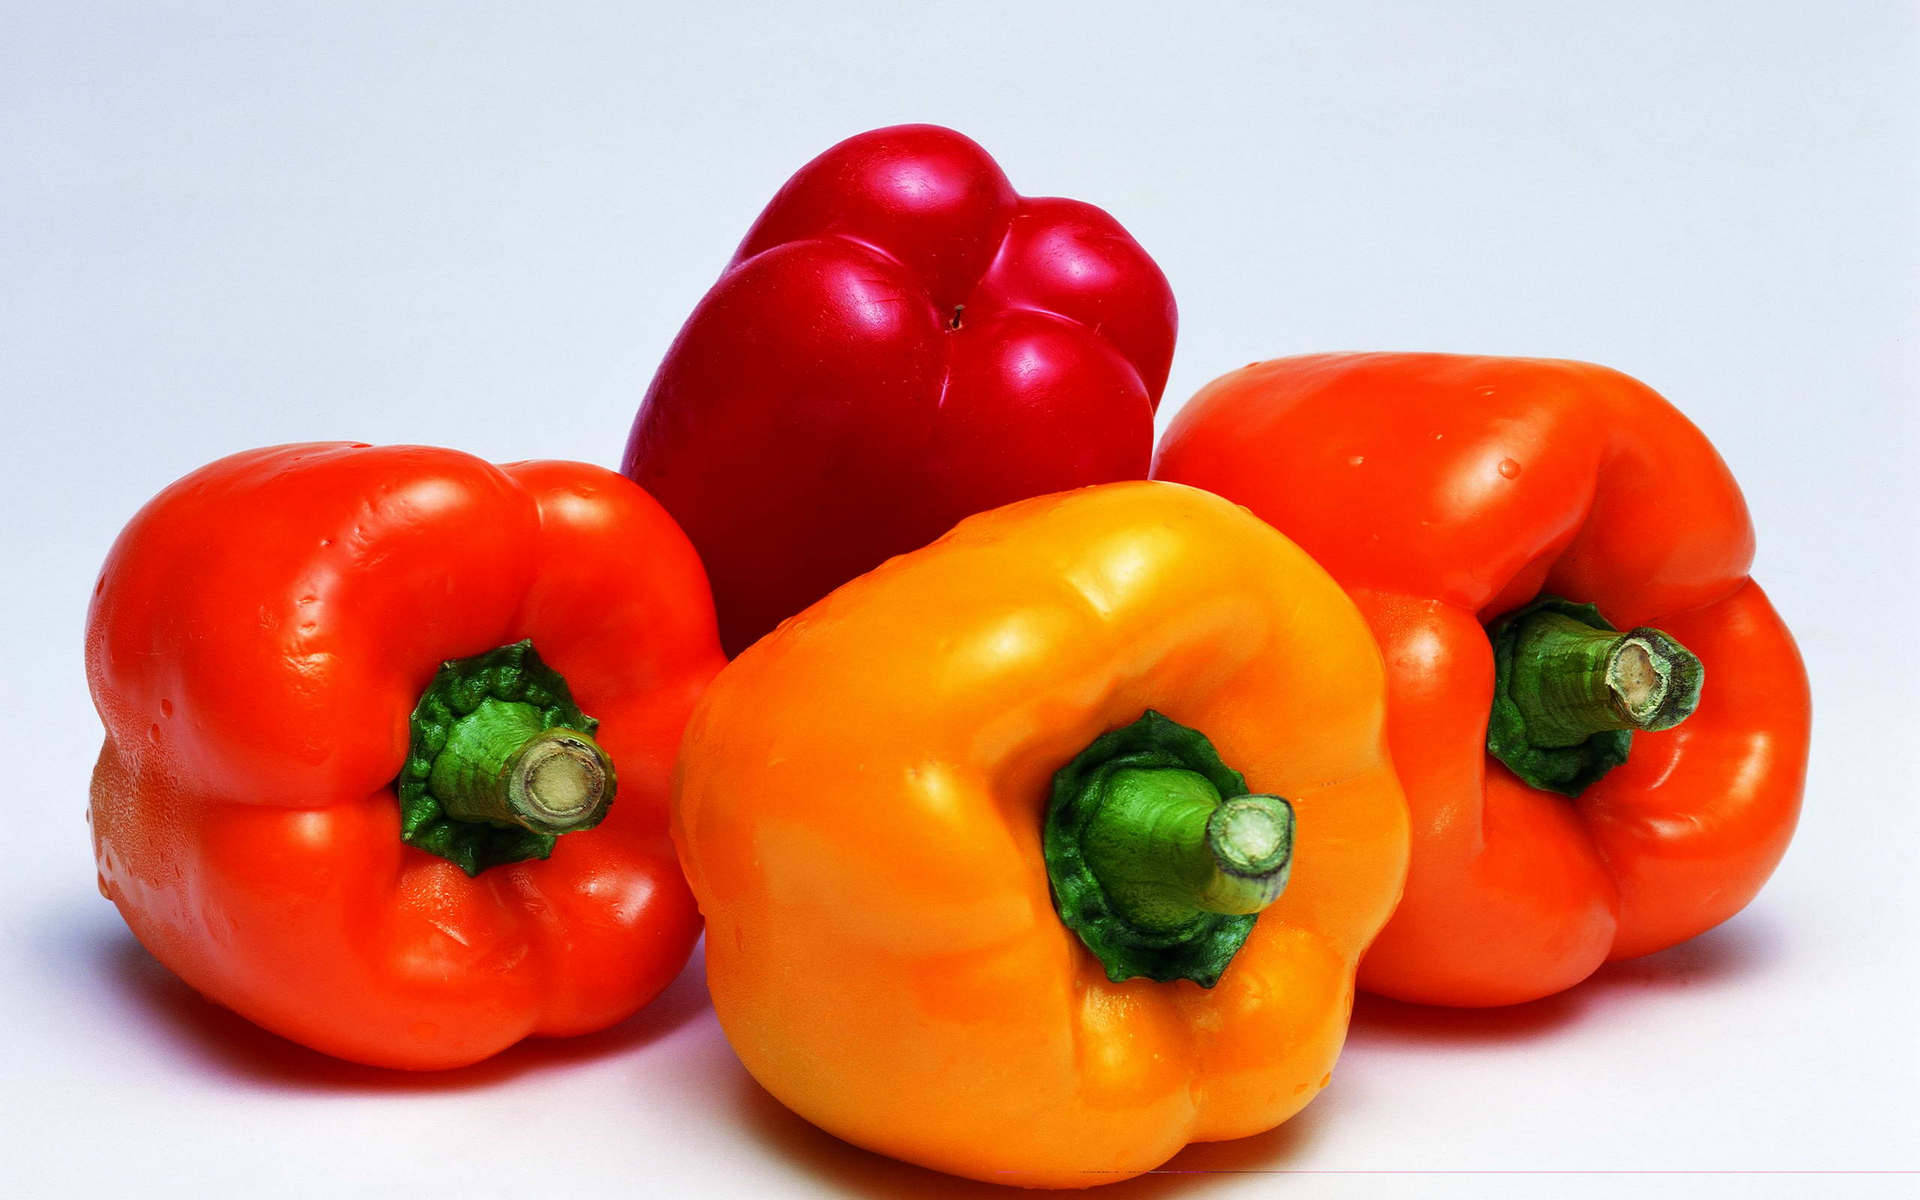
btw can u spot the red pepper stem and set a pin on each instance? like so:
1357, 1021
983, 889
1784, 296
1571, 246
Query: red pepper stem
500, 767
1572, 681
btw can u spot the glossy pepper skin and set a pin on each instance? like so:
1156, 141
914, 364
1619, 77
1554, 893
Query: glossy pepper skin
258, 638
1444, 491
859, 809
901, 340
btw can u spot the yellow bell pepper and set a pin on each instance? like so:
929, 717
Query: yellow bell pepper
979, 867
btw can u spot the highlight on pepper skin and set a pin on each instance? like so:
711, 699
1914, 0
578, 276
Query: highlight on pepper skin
945, 343
1040, 852
1601, 724
388, 740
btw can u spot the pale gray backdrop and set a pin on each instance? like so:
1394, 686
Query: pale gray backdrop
480, 224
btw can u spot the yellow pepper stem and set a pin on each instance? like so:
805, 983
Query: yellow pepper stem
1165, 848
1158, 857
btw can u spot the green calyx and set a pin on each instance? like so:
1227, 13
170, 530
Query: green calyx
1159, 860
501, 763
1569, 691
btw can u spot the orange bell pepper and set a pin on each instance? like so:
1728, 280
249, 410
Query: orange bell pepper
317, 821
873, 798
1563, 813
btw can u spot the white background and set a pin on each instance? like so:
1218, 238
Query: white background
221, 228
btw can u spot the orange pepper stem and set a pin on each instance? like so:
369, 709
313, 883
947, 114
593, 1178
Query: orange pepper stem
1157, 872
1570, 690
1165, 848
502, 762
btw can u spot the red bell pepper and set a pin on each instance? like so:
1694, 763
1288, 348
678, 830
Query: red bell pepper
901, 341
1600, 722
316, 819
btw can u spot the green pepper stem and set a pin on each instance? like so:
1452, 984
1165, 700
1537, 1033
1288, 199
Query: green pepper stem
501, 767
1571, 681
1156, 874
1166, 848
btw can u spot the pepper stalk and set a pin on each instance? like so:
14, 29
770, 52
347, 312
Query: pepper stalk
1570, 691
502, 762
1159, 859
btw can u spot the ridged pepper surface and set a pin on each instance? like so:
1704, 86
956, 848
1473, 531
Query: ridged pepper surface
1555, 562
389, 738
901, 340
989, 840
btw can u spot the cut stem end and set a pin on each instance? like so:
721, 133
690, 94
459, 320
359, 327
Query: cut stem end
558, 782
1570, 691
500, 762
1251, 838
1158, 874
1654, 680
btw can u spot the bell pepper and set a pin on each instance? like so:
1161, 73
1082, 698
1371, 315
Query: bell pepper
989, 840
1555, 562
389, 737
901, 340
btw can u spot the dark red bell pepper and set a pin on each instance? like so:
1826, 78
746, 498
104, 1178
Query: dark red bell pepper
900, 341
